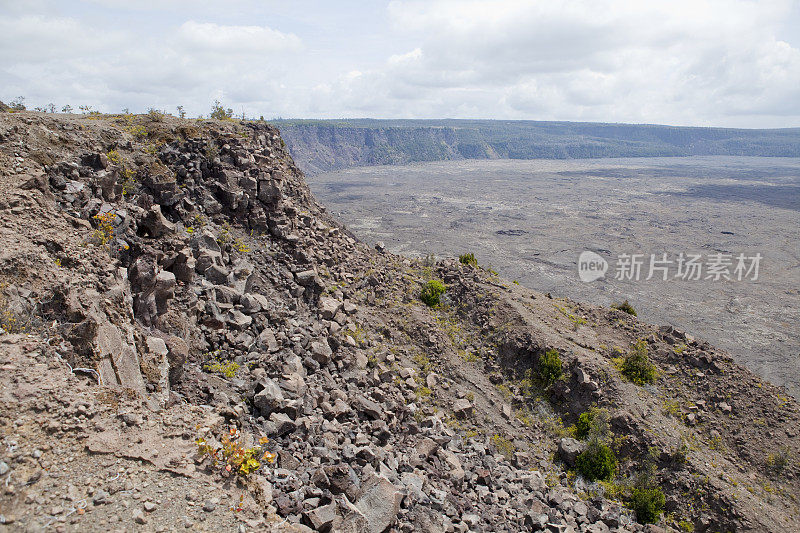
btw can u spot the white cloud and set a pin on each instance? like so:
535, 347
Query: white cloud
65, 60
234, 40
683, 61
699, 62
36, 39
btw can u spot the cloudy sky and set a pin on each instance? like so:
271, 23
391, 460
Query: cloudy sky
686, 62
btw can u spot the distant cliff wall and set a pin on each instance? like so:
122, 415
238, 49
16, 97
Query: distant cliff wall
324, 145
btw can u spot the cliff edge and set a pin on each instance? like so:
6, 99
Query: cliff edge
190, 341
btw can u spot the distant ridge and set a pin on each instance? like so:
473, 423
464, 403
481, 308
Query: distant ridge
324, 145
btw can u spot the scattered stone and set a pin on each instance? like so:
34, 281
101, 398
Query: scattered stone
210, 505
100, 497
321, 352
329, 307
569, 450
321, 518
379, 504
270, 396
283, 424
138, 517
306, 278
462, 408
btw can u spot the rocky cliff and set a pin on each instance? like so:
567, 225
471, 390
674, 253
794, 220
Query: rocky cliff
325, 145
190, 341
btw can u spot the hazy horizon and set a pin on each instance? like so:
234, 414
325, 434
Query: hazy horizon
478, 119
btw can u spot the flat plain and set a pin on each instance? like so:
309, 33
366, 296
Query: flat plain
530, 220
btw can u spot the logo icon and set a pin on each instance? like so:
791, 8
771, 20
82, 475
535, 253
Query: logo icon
591, 267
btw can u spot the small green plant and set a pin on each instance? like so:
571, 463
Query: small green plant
680, 454
431, 292
227, 369
10, 323
637, 367
128, 181
429, 261
114, 157
128, 174
422, 360
469, 357
550, 369
778, 461
104, 233
240, 246
504, 446
138, 131
614, 490
198, 222
646, 498
577, 321
584, 424
423, 392
526, 418
597, 462
224, 236
233, 457
625, 307
151, 148
671, 408
505, 391
647, 503
468, 259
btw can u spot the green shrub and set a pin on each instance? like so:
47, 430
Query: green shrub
468, 259
778, 461
550, 369
637, 366
647, 503
218, 112
504, 446
156, 115
233, 458
584, 424
597, 462
626, 307
432, 291
227, 368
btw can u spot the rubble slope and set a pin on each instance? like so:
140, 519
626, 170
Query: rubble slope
190, 341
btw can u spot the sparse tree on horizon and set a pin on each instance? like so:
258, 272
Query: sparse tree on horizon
220, 113
18, 103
